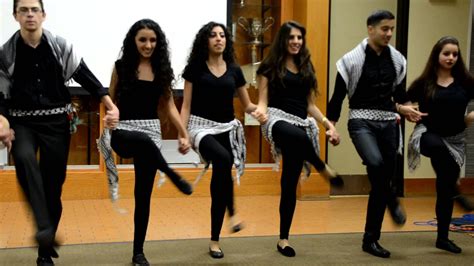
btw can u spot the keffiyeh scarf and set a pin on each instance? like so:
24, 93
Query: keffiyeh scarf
199, 127
455, 144
379, 115
150, 127
350, 66
309, 124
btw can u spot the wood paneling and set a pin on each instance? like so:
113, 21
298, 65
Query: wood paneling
83, 146
314, 15
287, 9
93, 185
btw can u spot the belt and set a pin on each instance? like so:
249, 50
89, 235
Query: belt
42, 112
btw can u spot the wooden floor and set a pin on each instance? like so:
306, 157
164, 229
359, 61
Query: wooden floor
98, 221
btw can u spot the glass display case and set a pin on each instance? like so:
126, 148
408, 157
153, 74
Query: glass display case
253, 23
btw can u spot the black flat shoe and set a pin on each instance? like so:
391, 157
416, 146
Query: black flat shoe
183, 185
44, 261
397, 213
53, 253
448, 245
337, 181
237, 228
216, 254
286, 251
45, 238
464, 203
139, 260
332, 176
374, 248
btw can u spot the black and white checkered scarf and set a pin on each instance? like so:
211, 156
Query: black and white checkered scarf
456, 146
199, 127
309, 124
350, 66
379, 115
150, 127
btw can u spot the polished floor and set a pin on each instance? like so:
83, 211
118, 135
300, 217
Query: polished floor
99, 221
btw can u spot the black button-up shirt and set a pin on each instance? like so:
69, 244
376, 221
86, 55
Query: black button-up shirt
374, 89
38, 81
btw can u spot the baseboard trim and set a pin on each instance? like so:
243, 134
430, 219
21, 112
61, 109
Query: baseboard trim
92, 184
413, 187
427, 186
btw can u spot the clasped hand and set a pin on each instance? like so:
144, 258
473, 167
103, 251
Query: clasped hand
7, 135
183, 145
111, 118
333, 136
260, 115
411, 113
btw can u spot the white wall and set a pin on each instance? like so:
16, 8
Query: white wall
97, 27
429, 21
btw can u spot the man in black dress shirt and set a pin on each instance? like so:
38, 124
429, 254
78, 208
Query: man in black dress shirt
34, 67
372, 76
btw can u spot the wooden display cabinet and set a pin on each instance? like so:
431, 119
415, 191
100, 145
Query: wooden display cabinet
250, 50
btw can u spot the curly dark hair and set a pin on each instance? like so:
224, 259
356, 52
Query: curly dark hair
160, 59
428, 79
200, 50
274, 66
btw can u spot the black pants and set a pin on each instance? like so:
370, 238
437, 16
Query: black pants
447, 173
217, 150
376, 142
42, 179
147, 159
296, 147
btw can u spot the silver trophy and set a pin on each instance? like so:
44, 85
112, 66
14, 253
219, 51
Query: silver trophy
255, 27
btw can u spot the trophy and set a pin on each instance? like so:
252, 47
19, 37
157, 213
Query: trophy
241, 3
255, 29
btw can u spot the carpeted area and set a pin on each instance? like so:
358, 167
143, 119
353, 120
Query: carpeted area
408, 248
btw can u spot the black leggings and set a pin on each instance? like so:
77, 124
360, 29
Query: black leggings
147, 159
447, 173
217, 150
296, 147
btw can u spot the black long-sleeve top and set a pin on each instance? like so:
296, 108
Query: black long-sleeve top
38, 82
375, 87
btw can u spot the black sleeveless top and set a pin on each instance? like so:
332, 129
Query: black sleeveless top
291, 96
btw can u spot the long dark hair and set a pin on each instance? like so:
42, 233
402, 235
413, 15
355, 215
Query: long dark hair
200, 50
274, 67
160, 59
428, 79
